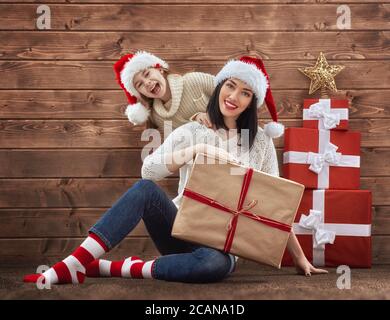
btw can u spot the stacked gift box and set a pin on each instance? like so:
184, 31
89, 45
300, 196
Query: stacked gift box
333, 222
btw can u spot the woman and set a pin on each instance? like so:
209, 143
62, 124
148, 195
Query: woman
241, 87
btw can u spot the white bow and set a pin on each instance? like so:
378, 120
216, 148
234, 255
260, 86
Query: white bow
318, 160
315, 223
320, 110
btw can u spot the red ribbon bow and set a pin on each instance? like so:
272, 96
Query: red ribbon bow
236, 212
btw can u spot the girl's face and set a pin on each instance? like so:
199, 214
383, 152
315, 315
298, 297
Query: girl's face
151, 83
234, 97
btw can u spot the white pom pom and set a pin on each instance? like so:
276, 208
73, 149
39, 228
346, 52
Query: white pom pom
274, 129
137, 113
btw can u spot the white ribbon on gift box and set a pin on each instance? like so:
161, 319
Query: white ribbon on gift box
315, 222
320, 162
324, 233
327, 117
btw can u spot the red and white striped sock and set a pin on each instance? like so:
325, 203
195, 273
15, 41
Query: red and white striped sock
132, 267
72, 268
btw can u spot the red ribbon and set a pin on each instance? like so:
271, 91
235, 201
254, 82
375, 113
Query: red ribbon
236, 212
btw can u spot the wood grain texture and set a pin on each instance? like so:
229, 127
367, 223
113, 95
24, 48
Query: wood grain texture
53, 223
126, 163
75, 222
121, 134
81, 192
111, 104
70, 193
100, 75
306, 2
183, 17
67, 151
178, 45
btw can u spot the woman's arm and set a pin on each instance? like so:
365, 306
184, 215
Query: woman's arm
302, 265
294, 248
155, 165
177, 159
177, 150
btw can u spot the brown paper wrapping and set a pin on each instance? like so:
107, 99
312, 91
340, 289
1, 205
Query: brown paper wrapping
278, 199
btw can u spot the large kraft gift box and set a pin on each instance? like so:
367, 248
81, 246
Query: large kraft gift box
334, 228
237, 210
322, 159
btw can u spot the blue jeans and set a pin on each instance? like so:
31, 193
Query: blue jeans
181, 261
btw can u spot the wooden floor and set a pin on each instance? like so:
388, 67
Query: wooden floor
249, 282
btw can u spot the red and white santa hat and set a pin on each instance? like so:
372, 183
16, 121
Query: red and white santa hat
125, 69
252, 72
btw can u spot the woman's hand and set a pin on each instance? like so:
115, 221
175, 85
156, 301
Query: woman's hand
177, 159
203, 118
213, 152
303, 266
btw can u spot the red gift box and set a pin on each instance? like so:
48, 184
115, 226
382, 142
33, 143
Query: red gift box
322, 159
339, 216
326, 114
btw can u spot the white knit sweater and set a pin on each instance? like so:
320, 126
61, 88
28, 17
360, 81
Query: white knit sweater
262, 156
190, 95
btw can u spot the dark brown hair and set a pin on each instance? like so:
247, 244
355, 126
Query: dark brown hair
246, 120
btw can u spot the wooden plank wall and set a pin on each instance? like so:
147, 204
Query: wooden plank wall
66, 150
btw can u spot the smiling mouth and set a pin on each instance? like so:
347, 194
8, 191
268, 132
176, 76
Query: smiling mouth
230, 106
156, 89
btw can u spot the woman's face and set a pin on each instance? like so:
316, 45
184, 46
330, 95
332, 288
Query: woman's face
234, 97
150, 83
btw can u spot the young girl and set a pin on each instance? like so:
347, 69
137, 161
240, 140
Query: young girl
241, 87
155, 96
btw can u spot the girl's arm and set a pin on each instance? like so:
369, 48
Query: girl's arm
200, 83
203, 81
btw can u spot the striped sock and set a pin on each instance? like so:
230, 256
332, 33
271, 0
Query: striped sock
132, 267
72, 269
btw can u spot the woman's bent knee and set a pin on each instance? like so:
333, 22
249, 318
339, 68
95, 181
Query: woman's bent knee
146, 183
145, 186
213, 265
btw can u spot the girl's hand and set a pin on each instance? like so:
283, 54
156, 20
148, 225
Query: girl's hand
304, 267
145, 103
203, 118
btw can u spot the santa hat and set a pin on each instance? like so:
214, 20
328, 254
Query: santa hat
125, 69
252, 72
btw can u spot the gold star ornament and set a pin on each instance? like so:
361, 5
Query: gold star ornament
322, 75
